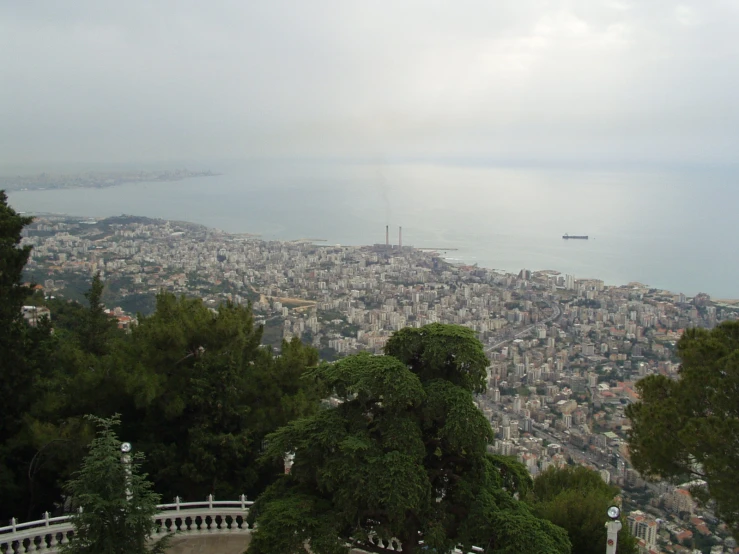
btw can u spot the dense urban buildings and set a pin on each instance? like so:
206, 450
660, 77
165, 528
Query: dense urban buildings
565, 351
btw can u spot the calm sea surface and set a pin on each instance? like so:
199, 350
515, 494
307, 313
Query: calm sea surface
670, 230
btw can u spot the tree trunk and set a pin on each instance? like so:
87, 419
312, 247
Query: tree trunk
409, 540
410, 547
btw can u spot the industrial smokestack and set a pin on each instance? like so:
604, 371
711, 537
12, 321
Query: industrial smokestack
387, 235
400, 237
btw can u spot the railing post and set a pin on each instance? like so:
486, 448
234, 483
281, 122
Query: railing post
177, 503
210, 501
13, 522
46, 519
243, 501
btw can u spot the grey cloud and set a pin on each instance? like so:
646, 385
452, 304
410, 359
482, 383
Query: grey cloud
519, 79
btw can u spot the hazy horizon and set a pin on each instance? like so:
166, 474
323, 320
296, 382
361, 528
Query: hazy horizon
581, 82
670, 230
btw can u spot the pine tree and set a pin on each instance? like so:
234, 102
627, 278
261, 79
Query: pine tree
207, 393
116, 500
15, 379
18, 363
687, 430
97, 328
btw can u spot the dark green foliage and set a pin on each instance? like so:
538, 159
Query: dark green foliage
97, 327
116, 499
16, 374
78, 378
401, 454
688, 429
195, 388
22, 357
193, 384
13, 258
437, 351
553, 481
205, 393
576, 499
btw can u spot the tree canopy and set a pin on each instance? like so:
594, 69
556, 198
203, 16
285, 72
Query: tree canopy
576, 499
401, 453
23, 352
687, 429
205, 393
193, 385
97, 328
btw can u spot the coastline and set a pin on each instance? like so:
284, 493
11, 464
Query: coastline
452, 260
95, 179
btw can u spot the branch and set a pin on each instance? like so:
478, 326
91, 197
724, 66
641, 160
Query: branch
31, 473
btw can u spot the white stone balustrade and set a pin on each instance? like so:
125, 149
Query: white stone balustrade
183, 518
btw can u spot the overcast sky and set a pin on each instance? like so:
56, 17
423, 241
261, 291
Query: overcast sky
506, 80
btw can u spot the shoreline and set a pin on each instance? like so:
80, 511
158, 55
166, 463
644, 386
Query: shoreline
452, 260
95, 179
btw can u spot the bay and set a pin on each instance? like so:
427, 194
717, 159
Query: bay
674, 230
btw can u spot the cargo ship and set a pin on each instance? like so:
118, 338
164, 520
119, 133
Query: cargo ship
566, 236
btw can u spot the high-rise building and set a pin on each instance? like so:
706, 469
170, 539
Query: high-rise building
644, 527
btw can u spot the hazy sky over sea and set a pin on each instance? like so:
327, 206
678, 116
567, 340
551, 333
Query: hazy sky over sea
578, 81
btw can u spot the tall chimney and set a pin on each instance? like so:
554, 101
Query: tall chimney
387, 235
400, 237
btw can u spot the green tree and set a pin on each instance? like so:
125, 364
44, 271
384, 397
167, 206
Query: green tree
97, 328
22, 354
204, 394
687, 429
16, 379
116, 499
78, 379
194, 387
401, 453
576, 499
13, 259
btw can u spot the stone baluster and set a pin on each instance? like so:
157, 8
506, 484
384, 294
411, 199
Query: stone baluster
199, 529
42, 544
211, 527
244, 524
171, 527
